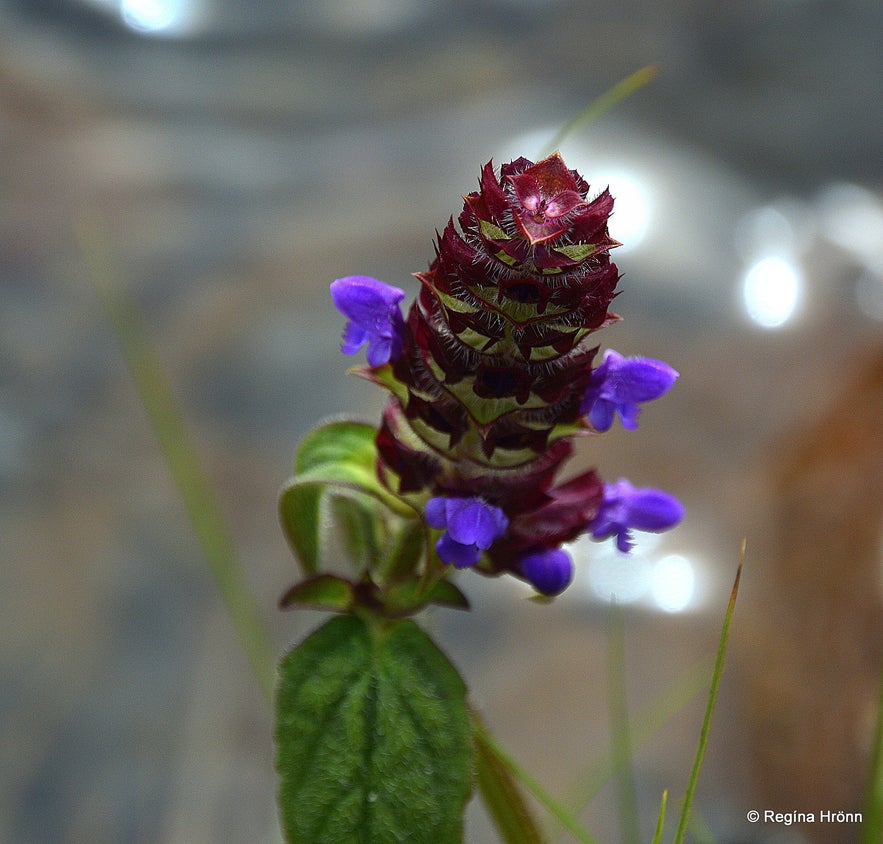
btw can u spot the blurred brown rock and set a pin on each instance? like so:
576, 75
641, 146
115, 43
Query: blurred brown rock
814, 657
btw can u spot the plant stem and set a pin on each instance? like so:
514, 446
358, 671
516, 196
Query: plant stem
617, 709
180, 455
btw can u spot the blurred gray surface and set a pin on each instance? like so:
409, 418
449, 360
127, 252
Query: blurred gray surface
240, 163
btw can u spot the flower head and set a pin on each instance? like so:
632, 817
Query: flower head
472, 526
548, 570
619, 384
493, 371
372, 308
625, 507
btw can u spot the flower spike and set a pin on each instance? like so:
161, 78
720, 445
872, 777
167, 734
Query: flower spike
492, 375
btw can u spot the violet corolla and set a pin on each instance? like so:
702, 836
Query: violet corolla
625, 507
372, 308
472, 526
620, 384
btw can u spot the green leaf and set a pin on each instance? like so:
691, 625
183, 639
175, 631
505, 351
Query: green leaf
337, 441
336, 460
372, 737
660, 820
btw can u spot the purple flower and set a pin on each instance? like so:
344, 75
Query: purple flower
619, 383
472, 526
548, 571
372, 308
624, 507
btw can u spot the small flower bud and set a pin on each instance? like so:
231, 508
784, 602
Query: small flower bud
548, 571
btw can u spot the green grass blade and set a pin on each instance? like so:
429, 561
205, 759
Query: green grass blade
565, 819
717, 673
180, 455
610, 98
501, 795
872, 814
645, 724
699, 830
617, 709
660, 821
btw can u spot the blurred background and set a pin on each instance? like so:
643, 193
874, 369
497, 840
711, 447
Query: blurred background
235, 159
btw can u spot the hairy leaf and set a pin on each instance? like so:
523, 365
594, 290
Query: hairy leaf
373, 738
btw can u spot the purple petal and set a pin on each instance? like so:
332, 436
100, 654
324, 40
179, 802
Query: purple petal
628, 414
619, 384
601, 414
354, 337
637, 379
654, 510
436, 512
379, 350
473, 521
472, 526
625, 508
549, 571
456, 553
640, 379
624, 541
372, 308
366, 300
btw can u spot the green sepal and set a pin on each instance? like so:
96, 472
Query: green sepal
406, 549
336, 496
322, 592
372, 737
406, 597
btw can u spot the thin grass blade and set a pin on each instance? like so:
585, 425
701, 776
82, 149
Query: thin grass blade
488, 745
617, 710
684, 819
660, 821
610, 98
180, 454
872, 814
